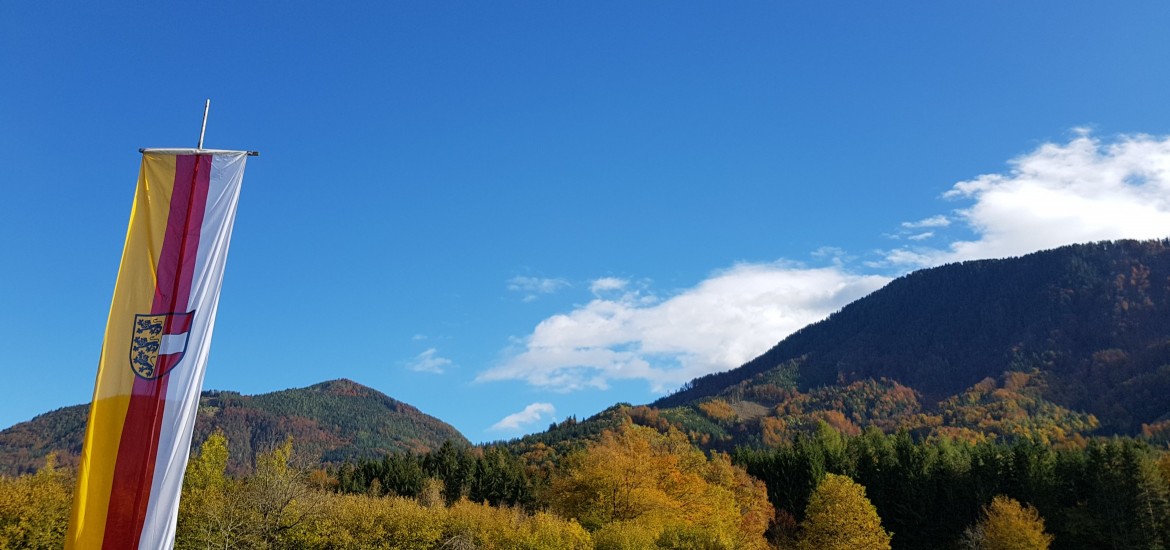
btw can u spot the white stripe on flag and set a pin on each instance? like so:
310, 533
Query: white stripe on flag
184, 384
172, 343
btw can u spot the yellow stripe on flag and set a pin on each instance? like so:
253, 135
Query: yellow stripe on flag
133, 294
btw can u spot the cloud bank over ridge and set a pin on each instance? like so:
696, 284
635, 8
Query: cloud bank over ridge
1060, 193
723, 321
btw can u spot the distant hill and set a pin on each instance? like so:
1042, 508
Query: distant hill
330, 422
1055, 345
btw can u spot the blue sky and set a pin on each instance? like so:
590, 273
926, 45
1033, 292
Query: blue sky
506, 213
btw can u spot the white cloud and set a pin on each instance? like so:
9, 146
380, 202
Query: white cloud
831, 252
719, 324
911, 231
903, 257
1061, 193
607, 284
429, 361
533, 287
933, 221
532, 413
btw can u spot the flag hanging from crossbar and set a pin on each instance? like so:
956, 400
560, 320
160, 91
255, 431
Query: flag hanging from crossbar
156, 345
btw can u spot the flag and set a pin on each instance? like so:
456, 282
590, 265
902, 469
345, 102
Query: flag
157, 340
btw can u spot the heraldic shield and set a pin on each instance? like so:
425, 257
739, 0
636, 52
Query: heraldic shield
158, 342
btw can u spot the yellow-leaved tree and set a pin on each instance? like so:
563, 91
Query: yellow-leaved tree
262, 511
279, 498
34, 509
1007, 525
211, 511
840, 517
636, 486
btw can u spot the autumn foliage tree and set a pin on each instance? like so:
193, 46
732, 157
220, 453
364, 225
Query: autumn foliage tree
636, 486
211, 511
1007, 525
34, 509
840, 517
278, 506
263, 510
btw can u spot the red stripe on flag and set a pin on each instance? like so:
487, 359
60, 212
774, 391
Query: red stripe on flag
138, 448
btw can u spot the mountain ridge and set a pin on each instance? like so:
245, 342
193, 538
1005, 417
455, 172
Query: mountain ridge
332, 421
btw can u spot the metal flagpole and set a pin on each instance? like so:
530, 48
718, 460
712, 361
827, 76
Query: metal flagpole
203, 130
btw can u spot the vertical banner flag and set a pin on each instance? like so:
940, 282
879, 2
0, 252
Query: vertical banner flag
157, 339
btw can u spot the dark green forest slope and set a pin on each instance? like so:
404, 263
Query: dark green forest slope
332, 421
1093, 319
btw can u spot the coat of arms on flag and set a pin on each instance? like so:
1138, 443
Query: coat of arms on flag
158, 342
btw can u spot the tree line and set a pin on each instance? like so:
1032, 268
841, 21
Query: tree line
633, 488
1108, 493
638, 487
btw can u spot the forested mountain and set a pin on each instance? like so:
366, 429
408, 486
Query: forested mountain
332, 421
1053, 346
1075, 337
